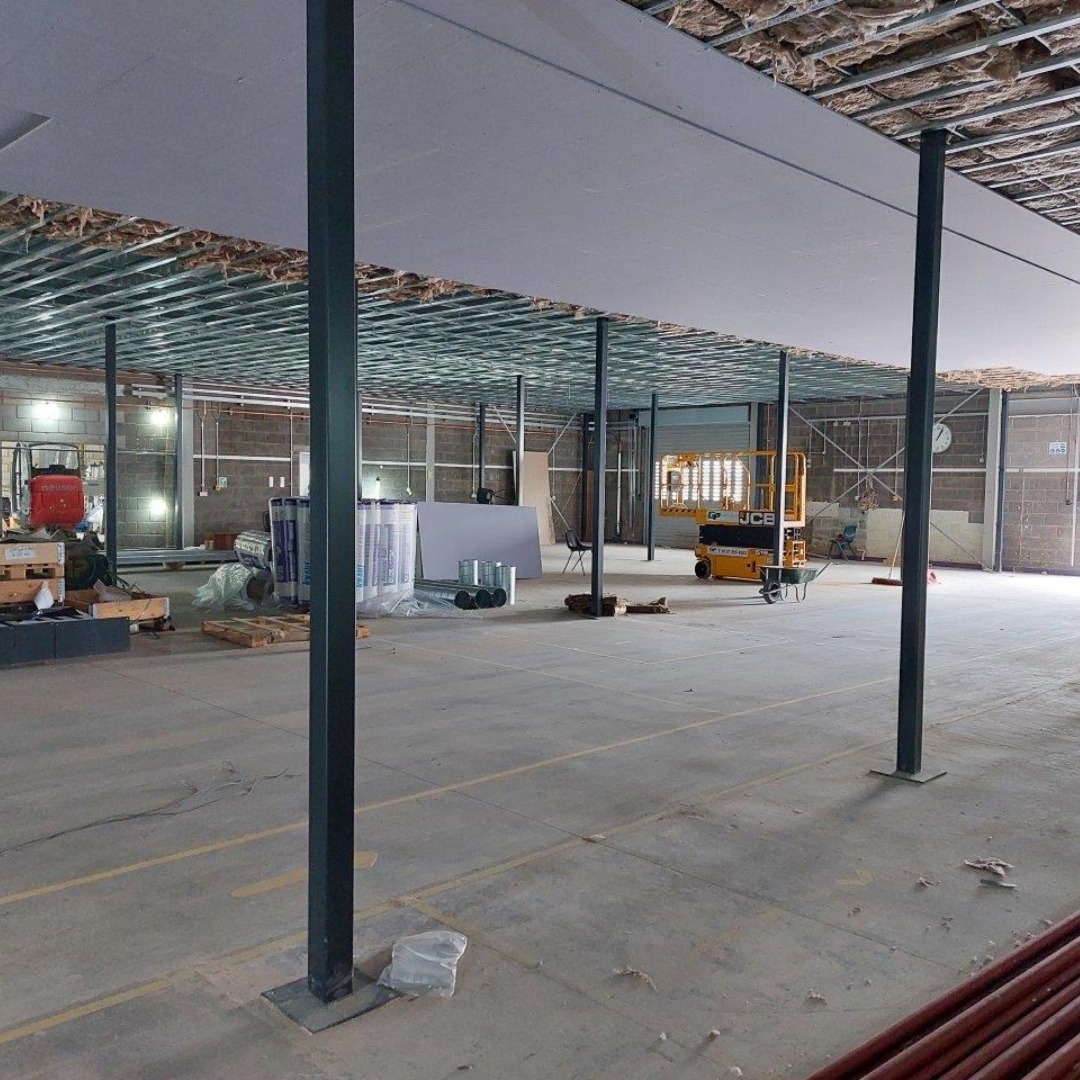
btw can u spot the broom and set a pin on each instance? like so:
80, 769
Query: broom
931, 577
890, 580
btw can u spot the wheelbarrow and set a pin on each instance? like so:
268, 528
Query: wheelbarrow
778, 581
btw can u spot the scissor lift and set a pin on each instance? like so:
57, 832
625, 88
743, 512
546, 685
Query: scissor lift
732, 495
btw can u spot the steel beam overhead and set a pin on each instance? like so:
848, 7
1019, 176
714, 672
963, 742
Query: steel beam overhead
780, 464
332, 360
918, 461
1022, 159
599, 462
650, 477
755, 27
992, 112
1051, 128
943, 56
112, 459
916, 22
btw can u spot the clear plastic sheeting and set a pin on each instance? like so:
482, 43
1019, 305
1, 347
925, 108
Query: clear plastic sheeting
425, 963
227, 588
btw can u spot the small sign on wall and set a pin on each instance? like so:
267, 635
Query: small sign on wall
1059, 449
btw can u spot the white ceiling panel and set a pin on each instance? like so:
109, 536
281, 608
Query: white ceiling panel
570, 149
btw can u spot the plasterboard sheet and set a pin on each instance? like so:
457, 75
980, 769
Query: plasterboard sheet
450, 532
572, 149
536, 492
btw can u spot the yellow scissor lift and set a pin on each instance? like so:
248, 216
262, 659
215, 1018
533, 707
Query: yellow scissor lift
731, 495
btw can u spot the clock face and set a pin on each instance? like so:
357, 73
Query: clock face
942, 438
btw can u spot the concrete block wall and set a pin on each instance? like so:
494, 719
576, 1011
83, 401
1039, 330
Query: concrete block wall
864, 434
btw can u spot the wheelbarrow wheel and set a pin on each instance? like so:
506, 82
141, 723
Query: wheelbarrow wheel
703, 569
772, 592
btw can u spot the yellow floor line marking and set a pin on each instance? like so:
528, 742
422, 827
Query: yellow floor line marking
91, 1007
416, 796
417, 898
464, 785
362, 860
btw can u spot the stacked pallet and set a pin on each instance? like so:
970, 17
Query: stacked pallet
26, 568
255, 633
581, 604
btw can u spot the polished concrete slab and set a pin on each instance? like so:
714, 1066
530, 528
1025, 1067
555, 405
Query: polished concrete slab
686, 796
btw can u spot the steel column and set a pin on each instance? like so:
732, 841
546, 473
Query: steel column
599, 460
780, 462
112, 458
481, 439
519, 472
332, 366
918, 464
650, 477
1003, 475
182, 467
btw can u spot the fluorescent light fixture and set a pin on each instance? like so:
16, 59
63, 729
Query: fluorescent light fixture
157, 509
46, 410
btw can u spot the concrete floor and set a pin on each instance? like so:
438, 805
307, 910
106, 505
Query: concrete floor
686, 795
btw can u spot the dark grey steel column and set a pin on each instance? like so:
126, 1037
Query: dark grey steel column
917, 470
519, 472
179, 465
586, 457
1003, 476
481, 421
112, 458
599, 460
650, 478
332, 367
780, 464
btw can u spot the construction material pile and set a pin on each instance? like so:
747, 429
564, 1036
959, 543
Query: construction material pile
1017, 1018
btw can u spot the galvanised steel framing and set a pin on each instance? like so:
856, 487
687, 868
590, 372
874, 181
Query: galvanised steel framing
177, 318
879, 76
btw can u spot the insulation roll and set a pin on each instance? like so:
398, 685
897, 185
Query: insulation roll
288, 592
277, 539
360, 549
371, 528
303, 552
255, 549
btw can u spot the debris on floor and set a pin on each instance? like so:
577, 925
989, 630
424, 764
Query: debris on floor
997, 883
814, 997
581, 604
423, 964
594, 838
653, 607
254, 633
641, 976
996, 866
926, 883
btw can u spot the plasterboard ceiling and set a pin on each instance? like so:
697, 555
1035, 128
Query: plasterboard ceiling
572, 150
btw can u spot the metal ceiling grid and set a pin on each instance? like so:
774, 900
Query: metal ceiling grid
1003, 79
177, 313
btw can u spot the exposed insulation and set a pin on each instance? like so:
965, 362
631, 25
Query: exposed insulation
812, 51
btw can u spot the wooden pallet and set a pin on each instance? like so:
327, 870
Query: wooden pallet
23, 571
23, 591
263, 630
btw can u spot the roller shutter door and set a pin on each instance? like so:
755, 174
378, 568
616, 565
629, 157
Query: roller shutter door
689, 438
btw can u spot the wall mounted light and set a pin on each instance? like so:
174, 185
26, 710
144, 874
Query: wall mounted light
158, 507
159, 417
46, 410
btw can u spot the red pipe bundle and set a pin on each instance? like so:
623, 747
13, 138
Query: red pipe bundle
1018, 1019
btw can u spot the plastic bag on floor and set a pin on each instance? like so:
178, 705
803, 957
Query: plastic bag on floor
425, 963
227, 588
